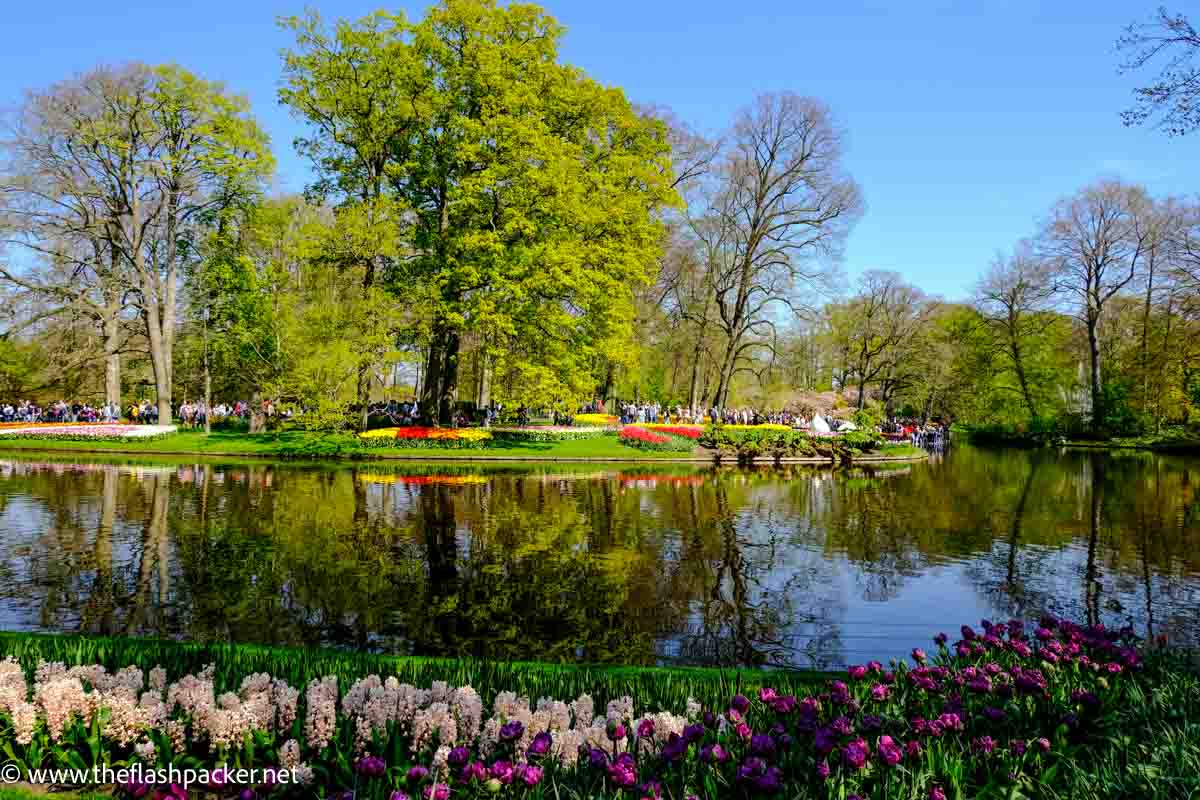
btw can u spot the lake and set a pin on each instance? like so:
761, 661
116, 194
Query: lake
634, 564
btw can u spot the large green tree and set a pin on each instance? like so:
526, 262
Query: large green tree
524, 192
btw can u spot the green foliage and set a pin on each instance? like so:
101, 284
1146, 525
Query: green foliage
748, 444
869, 417
19, 364
522, 192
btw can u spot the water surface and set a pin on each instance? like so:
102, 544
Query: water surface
646, 564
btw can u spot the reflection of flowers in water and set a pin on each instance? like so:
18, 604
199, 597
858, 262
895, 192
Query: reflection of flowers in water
420, 480
652, 481
25, 468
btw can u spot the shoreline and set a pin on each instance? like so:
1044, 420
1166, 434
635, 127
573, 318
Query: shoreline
304, 446
29, 446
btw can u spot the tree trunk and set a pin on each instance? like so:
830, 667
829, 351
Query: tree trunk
484, 398
726, 374
112, 360
1019, 368
158, 363
432, 388
364, 395
610, 376
449, 387
697, 358
258, 420
1094, 373
1145, 345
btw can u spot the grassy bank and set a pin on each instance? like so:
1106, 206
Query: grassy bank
301, 444
1173, 441
662, 686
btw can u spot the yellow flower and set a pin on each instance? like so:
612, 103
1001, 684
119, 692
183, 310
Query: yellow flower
379, 433
768, 426
601, 420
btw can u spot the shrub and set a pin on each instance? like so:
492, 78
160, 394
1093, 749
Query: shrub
779, 442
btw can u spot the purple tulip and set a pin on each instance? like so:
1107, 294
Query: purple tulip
770, 781
418, 774
751, 768
531, 775
856, 753
984, 744
540, 745
437, 791
511, 730
675, 748
458, 757
890, 751
502, 771
622, 773
371, 766
762, 745
645, 729
740, 703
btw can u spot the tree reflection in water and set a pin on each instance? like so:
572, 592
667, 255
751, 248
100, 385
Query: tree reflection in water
705, 566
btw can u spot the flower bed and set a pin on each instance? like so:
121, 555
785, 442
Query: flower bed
643, 439
421, 436
686, 431
546, 433
85, 431
595, 420
998, 713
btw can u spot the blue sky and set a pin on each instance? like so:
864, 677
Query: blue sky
967, 119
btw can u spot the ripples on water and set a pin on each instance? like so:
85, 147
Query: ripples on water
637, 565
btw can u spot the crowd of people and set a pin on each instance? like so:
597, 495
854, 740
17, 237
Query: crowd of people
190, 414
61, 411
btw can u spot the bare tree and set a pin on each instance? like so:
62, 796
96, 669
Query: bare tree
123, 165
776, 220
1174, 97
1097, 242
53, 223
873, 329
1009, 299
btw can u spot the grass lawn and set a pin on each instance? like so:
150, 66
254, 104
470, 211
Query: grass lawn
303, 444
899, 449
26, 792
